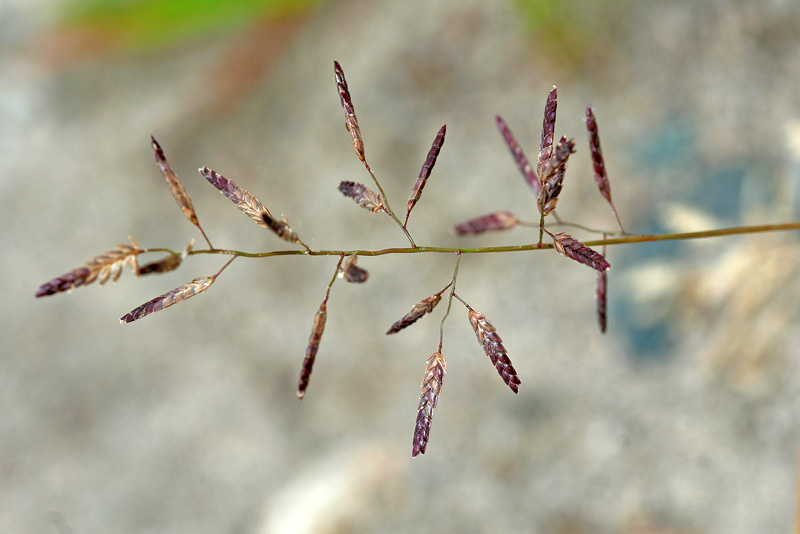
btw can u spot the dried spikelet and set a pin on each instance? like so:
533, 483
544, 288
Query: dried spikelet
494, 349
175, 184
553, 174
602, 281
317, 328
243, 199
499, 220
363, 196
431, 387
352, 272
548, 130
574, 249
599, 165
101, 268
167, 263
179, 294
420, 308
351, 122
531, 178
427, 167
282, 228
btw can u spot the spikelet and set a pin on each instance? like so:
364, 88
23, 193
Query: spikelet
179, 294
600, 176
499, 220
553, 174
363, 196
352, 272
427, 167
574, 249
243, 199
351, 122
548, 130
431, 387
602, 288
530, 176
420, 308
317, 328
282, 228
175, 184
494, 349
101, 268
167, 263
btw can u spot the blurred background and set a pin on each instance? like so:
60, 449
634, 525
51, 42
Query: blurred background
683, 418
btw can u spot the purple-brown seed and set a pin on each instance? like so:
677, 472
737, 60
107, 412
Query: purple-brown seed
574, 249
494, 349
317, 328
431, 388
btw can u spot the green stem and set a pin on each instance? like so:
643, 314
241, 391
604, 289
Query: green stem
449, 301
387, 208
627, 239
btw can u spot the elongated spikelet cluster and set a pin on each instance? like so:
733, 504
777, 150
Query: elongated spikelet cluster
548, 130
425, 172
420, 308
363, 196
431, 387
352, 272
281, 227
598, 164
493, 222
553, 174
244, 200
528, 173
602, 287
174, 183
102, 268
179, 294
574, 249
350, 120
317, 328
167, 263
494, 349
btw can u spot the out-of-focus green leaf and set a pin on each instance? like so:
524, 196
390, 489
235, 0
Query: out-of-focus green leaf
145, 24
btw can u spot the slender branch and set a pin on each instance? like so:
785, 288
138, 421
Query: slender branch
449, 301
388, 209
622, 240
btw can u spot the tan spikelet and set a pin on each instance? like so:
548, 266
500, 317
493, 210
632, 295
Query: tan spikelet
175, 184
494, 349
352, 272
317, 329
350, 120
179, 294
431, 388
167, 263
420, 308
244, 200
102, 268
574, 249
364, 196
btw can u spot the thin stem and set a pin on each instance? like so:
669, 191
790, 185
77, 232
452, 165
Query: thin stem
333, 279
616, 216
560, 222
541, 214
225, 266
627, 239
387, 208
205, 236
449, 300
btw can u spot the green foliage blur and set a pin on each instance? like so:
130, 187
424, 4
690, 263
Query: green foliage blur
144, 24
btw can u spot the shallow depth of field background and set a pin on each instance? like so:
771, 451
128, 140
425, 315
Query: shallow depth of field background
682, 419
